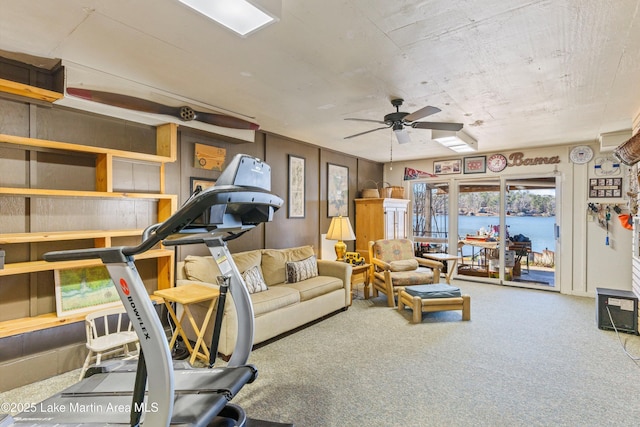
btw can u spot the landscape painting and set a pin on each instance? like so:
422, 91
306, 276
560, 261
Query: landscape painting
84, 289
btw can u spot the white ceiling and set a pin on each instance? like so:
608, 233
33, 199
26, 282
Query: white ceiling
516, 73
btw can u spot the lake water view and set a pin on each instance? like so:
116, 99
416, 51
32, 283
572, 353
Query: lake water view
538, 229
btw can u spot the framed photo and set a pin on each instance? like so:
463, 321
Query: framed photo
84, 289
296, 187
476, 164
204, 183
447, 167
337, 190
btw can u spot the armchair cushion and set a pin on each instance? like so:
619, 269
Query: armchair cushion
407, 278
394, 250
403, 265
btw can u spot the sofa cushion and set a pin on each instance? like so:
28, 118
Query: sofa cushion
315, 286
274, 298
201, 268
273, 262
297, 271
246, 260
403, 265
254, 281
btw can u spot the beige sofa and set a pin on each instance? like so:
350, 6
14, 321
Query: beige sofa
280, 308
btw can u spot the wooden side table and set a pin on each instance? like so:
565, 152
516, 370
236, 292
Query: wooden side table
186, 295
360, 274
445, 258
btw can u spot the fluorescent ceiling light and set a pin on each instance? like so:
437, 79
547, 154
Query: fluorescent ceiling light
459, 141
237, 15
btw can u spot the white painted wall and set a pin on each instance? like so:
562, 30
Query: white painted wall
585, 262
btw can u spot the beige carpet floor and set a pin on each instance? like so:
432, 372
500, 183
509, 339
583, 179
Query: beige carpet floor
526, 358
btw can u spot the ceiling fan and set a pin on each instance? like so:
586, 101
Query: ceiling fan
184, 113
398, 120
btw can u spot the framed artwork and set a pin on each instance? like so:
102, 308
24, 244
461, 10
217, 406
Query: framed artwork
476, 164
296, 203
204, 183
447, 167
605, 187
84, 289
337, 190
208, 157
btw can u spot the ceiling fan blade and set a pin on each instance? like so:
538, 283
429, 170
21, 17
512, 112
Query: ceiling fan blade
366, 120
423, 112
437, 126
184, 113
363, 133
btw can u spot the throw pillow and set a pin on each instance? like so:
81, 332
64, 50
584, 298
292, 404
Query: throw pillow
254, 281
301, 270
404, 265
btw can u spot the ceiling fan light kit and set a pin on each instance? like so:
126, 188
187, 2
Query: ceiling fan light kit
459, 141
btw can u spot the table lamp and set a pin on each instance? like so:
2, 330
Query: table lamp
340, 229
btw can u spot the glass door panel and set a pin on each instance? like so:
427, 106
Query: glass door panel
479, 228
431, 216
530, 218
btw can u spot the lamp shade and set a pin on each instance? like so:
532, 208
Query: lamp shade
340, 229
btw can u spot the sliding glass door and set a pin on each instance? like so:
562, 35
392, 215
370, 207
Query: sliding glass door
503, 229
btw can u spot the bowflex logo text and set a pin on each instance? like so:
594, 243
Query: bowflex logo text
125, 288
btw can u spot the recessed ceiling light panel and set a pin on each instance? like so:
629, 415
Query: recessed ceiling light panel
239, 16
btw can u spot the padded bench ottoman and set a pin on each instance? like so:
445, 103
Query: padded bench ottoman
428, 298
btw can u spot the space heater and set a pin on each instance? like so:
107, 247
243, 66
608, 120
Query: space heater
623, 307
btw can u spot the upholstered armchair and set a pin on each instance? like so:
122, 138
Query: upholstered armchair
395, 265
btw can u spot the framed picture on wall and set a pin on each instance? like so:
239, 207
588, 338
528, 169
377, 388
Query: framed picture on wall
476, 164
447, 167
204, 183
337, 190
296, 203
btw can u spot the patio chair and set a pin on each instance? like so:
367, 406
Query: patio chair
395, 265
103, 340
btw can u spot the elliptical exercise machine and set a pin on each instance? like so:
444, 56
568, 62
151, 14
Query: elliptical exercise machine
171, 395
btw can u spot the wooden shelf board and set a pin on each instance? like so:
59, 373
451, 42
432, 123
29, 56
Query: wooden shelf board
56, 236
44, 321
41, 265
35, 192
28, 91
66, 146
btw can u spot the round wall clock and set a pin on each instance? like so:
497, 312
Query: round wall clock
497, 163
581, 154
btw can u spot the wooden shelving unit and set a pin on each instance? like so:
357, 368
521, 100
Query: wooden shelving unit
166, 152
14, 88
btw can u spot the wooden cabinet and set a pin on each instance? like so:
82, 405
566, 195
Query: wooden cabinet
25, 269
380, 219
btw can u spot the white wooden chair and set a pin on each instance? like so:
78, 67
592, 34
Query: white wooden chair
103, 340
